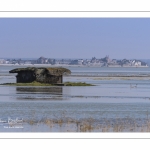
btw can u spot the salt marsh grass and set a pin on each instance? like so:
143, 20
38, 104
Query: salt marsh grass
91, 125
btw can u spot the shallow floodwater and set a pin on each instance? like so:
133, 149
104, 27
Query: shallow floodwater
111, 102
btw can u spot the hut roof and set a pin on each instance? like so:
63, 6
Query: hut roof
58, 71
51, 71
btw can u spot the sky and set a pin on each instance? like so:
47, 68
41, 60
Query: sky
75, 38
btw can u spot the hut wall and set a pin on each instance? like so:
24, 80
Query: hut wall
60, 79
49, 79
39, 75
25, 77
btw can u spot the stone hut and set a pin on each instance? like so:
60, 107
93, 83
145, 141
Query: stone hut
42, 75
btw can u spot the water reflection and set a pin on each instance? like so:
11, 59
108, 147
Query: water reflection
41, 90
40, 93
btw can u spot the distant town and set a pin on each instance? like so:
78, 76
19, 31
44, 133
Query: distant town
102, 62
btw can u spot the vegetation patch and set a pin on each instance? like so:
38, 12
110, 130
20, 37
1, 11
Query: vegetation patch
27, 84
77, 84
46, 84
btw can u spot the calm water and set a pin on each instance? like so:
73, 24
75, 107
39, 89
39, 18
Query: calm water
108, 100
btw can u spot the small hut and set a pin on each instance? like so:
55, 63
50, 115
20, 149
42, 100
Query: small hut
42, 75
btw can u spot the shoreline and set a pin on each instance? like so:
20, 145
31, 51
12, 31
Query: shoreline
61, 65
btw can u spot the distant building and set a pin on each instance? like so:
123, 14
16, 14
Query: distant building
106, 59
2, 61
27, 62
80, 61
76, 62
42, 60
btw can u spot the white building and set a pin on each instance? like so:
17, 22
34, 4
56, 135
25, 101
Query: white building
136, 63
2, 61
80, 61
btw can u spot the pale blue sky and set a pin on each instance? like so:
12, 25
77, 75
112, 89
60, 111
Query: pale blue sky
75, 37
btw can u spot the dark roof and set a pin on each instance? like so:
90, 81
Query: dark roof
51, 71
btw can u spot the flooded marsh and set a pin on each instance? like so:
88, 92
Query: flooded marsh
114, 104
